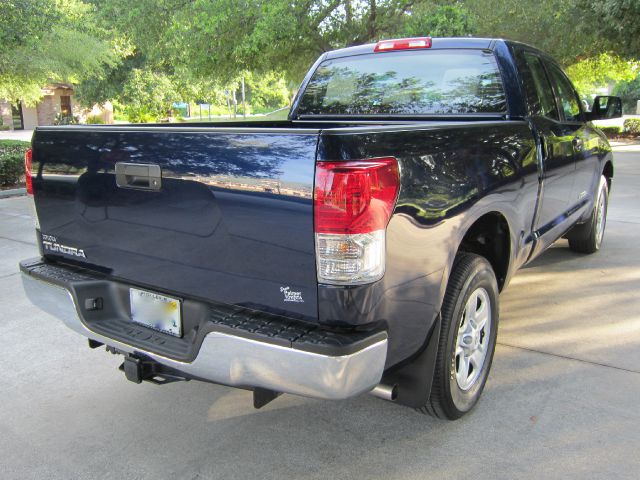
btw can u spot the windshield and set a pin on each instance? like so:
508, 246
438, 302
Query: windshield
435, 82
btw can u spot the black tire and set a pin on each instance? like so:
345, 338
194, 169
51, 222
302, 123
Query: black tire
470, 273
587, 237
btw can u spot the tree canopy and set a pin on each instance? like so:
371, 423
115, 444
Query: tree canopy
51, 41
225, 37
118, 49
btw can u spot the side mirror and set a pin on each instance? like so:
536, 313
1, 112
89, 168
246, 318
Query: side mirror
605, 107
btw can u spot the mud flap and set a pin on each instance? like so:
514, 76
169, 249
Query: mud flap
415, 377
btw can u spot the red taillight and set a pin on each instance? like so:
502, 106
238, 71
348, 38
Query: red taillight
355, 196
402, 44
28, 179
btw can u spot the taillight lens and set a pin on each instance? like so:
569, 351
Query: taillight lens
355, 197
28, 179
353, 203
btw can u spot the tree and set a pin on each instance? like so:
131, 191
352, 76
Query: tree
225, 37
549, 25
615, 23
268, 35
597, 42
268, 90
148, 96
570, 30
109, 84
601, 71
438, 21
50, 41
201, 46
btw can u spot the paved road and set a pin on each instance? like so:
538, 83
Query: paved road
561, 401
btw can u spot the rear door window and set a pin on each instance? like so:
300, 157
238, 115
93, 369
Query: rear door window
539, 92
566, 94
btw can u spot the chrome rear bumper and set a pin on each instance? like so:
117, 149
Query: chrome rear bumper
236, 361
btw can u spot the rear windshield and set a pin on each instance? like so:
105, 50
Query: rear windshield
435, 82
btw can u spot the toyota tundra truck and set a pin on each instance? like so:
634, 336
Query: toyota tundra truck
359, 246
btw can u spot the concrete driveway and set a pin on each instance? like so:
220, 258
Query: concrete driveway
561, 401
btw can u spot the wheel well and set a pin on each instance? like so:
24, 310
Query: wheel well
608, 173
489, 236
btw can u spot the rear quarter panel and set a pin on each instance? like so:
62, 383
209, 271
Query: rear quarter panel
451, 174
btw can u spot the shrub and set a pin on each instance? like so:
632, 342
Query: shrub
147, 96
12, 162
5, 127
140, 115
612, 131
66, 120
632, 126
94, 120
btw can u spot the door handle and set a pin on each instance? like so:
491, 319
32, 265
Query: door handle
139, 176
577, 143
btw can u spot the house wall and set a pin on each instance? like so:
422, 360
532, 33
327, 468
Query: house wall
47, 111
49, 106
5, 113
44, 113
29, 117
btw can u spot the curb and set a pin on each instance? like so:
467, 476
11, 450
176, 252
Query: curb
13, 192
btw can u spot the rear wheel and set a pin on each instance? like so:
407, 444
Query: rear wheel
467, 337
587, 237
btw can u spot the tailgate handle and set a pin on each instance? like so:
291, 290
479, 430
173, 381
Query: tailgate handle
141, 176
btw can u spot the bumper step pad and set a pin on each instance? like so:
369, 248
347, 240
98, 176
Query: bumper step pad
232, 320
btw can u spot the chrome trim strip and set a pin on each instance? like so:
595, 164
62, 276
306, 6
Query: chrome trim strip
238, 361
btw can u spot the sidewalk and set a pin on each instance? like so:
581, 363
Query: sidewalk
626, 145
24, 135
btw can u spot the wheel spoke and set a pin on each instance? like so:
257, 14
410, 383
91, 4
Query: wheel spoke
461, 332
481, 316
470, 308
476, 359
463, 369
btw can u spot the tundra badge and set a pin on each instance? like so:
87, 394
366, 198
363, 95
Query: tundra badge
50, 243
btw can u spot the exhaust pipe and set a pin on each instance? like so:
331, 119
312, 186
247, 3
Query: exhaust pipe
386, 392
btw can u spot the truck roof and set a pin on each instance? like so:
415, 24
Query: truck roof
437, 43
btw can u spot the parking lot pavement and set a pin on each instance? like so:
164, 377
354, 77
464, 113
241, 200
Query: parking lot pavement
561, 401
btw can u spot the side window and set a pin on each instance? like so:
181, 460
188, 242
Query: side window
540, 94
567, 96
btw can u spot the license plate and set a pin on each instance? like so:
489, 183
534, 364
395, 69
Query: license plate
156, 311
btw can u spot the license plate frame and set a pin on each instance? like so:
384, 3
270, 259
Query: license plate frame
153, 310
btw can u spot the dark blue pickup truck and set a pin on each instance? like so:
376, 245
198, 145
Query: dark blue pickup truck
359, 246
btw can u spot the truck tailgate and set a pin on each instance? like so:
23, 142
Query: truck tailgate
230, 219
